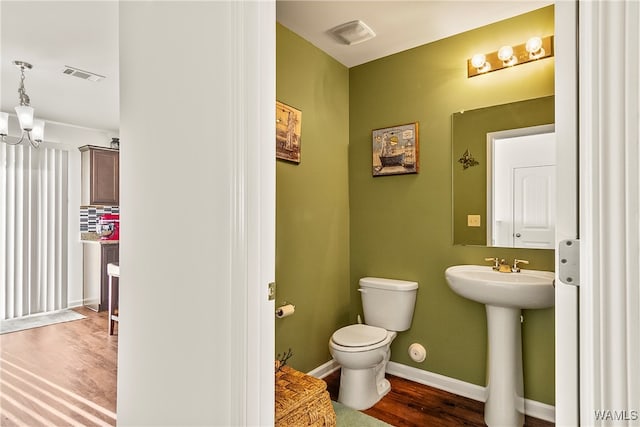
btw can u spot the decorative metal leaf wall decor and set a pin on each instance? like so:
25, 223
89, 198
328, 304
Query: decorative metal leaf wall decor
467, 160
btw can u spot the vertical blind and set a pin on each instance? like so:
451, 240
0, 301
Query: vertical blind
33, 230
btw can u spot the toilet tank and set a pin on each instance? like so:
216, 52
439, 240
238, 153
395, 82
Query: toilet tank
388, 303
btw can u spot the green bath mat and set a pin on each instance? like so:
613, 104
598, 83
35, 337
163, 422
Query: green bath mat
347, 417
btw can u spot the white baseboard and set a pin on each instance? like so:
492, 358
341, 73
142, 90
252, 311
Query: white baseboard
323, 370
452, 385
540, 410
461, 388
74, 304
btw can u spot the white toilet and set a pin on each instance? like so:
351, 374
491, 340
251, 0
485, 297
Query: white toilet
363, 350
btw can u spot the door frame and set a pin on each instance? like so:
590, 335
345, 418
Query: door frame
566, 311
256, 181
609, 294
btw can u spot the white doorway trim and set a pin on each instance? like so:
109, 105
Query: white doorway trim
253, 212
609, 97
258, 167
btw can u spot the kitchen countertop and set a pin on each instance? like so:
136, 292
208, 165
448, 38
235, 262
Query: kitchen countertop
101, 242
95, 238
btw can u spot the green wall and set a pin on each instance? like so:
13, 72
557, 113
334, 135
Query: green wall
336, 223
312, 202
401, 226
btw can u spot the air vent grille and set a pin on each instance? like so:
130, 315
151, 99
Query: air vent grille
81, 74
353, 32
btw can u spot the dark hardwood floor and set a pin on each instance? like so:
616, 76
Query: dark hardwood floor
65, 375
59, 375
412, 404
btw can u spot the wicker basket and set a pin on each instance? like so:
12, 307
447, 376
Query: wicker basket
302, 400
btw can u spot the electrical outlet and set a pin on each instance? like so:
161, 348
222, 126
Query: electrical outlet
473, 220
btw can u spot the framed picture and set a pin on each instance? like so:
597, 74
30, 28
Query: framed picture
288, 126
395, 150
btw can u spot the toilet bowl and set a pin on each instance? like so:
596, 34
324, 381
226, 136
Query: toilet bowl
362, 381
363, 350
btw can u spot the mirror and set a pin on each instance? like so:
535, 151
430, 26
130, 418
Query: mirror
485, 214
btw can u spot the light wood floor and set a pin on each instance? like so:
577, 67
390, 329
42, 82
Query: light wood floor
59, 375
65, 374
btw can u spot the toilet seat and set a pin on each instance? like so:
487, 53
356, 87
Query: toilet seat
360, 338
359, 335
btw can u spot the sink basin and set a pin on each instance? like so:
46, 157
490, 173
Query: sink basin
525, 290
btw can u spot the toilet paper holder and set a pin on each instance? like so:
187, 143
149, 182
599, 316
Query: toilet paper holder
284, 310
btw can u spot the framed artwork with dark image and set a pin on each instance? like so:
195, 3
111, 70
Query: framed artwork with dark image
288, 129
395, 150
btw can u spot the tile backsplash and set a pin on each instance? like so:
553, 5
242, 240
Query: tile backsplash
89, 216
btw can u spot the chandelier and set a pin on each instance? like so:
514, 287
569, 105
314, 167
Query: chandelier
32, 130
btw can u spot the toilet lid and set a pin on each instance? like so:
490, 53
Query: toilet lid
359, 335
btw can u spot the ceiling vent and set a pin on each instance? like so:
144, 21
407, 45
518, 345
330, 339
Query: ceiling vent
85, 75
353, 32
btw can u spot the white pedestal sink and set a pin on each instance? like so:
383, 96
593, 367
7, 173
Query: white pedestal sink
504, 295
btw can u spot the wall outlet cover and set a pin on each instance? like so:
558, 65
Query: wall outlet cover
473, 220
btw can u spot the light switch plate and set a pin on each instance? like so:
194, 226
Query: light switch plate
473, 220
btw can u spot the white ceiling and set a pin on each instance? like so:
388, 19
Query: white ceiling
84, 35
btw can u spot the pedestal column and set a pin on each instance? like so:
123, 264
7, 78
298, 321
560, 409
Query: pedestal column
505, 403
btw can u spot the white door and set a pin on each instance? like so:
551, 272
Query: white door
534, 206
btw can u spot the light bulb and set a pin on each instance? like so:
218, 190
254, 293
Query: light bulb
505, 54
478, 60
534, 44
534, 47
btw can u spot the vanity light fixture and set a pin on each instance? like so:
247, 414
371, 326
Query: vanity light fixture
508, 56
32, 129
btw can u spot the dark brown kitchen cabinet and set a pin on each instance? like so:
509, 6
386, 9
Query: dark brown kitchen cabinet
110, 253
100, 176
96, 256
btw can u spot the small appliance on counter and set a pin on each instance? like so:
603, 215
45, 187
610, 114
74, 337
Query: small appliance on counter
109, 227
